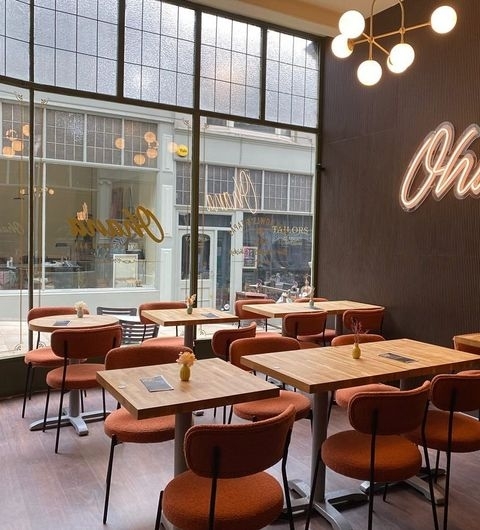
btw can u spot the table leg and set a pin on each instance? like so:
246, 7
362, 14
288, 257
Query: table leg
339, 324
319, 433
71, 416
183, 422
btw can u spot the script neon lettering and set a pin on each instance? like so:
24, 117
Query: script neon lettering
444, 165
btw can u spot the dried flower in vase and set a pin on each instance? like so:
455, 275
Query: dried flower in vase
187, 358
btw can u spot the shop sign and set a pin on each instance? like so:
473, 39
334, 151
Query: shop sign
439, 166
142, 222
243, 197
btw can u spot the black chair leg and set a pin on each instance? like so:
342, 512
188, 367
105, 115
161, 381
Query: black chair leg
159, 512
28, 387
59, 422
47, 401
109, 478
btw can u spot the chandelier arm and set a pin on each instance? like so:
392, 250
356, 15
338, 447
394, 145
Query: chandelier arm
380, 47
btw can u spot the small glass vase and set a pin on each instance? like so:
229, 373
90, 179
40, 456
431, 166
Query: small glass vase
356, 352
189, 309
80, 312
311, 303
184, 372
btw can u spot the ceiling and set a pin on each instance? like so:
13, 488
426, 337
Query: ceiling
319, 17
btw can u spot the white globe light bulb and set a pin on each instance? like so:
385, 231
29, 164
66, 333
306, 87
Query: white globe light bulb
369, 72
402, 56
443, 19
341, 47
394, 68
351, 24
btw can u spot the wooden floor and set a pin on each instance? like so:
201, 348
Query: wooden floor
41, 490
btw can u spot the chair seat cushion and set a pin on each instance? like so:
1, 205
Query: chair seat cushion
126, 428
42, 357
79, 376
344, 395
348, 453
164, 341
466, 432
263, 409
250, 502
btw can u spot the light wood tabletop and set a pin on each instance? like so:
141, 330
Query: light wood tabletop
332, 307
320, 370
51, 323
213, 383
469, 339
180, 317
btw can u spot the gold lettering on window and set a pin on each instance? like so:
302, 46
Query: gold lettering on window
141, 223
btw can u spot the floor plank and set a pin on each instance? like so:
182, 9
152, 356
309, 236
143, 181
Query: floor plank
41, 490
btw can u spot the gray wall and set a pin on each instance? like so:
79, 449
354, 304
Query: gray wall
424, 265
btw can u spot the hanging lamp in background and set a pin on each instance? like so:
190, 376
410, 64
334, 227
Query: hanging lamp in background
400, 57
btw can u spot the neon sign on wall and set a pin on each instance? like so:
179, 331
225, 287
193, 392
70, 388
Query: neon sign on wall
439, 165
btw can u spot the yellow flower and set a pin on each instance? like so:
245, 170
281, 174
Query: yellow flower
187, 358
80, 305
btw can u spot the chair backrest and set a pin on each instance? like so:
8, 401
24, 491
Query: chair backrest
238, 450
389, 413
130, 311
456, 392
466, 347
369, 319
222, 339
136, 332
48, 311
136, 355
243, 314
312, 323
303, 299
158, 305
349, 338
83, 343
267, 343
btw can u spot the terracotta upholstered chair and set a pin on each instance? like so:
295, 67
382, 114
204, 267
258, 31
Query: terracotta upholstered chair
163, 340
220, 344
371, 320
447, 428
329, 333
117, 311
72, 345
266, 408
120, 425
41, 357
375, 449
344, 395
227, 486
246, 316
222, 339
307, 328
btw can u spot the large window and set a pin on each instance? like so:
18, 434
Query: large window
164, 139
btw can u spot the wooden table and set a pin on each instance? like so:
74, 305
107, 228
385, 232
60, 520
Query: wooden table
213, 383
51, 323
470, 339
319, 371
180, 317
332, 307
72, 415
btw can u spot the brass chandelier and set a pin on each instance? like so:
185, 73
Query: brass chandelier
401, 56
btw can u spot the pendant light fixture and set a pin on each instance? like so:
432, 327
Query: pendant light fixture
400, 57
